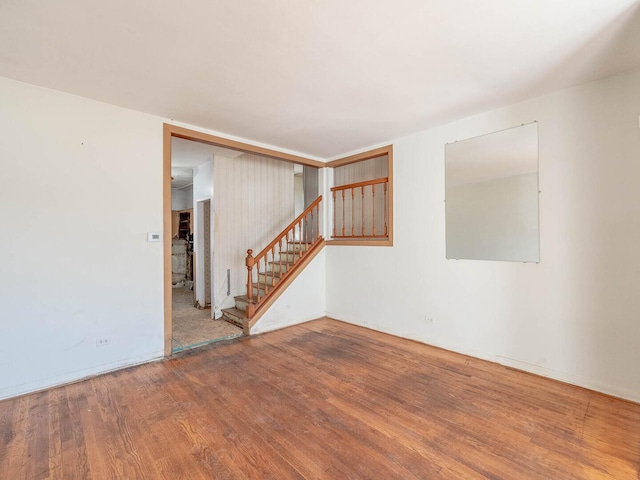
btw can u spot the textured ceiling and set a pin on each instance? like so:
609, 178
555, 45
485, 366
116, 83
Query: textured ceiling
321, 78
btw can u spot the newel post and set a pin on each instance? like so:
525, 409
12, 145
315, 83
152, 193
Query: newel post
250, 261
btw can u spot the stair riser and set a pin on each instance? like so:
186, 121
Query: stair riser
279, 267
267, 278
231, 316
295, 247
241, 305
289, 257
232, 319
260, 291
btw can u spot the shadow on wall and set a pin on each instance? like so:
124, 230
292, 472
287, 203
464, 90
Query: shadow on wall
618, 43
590, 232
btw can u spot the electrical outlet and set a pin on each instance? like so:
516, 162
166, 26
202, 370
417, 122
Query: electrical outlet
103, 341
428, 319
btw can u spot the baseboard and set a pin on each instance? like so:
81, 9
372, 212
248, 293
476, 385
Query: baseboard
77, 376
564, 377
571, 379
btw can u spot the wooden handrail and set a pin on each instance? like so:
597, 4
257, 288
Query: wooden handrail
360, 184
369, 219
298, 239
289, 228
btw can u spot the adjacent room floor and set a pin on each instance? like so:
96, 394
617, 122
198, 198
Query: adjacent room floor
193, 327
320, 400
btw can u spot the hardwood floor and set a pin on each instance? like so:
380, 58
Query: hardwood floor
319, 400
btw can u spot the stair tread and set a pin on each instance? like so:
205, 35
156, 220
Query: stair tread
234, 311
244, 298
270, 273
268, 284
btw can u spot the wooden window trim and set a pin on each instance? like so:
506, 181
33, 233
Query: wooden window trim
359, 157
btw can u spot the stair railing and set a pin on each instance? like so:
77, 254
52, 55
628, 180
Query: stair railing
282, 254
360, 209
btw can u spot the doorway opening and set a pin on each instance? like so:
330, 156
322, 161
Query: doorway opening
194, 140
193, 323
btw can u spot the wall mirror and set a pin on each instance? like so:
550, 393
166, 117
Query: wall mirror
491, 196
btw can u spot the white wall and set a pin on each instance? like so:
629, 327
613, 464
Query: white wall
188, 200
574, 316
303, 300
181, 198
76, 271
202, 190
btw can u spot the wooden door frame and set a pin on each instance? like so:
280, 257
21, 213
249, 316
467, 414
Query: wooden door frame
170, 131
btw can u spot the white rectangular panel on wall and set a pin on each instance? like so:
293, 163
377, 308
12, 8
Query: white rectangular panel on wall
491, 191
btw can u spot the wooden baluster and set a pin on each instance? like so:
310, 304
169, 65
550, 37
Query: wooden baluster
386, 232
286, 244
258, 296
264, 273
267, 287
335, 207
249, 262
353, 205
373, 209
273, 277
311, 226
343, 213
295, 243
287, 241
362, 207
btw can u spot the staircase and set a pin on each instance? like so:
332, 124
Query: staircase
270, 278
275, 267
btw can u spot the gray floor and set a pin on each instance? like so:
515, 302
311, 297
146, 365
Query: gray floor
193, 327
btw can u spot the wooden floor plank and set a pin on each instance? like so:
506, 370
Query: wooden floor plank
320, 400
16, 450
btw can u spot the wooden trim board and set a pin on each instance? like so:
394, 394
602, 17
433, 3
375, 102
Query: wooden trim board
166, 205
359, 157
188, 134
181, 132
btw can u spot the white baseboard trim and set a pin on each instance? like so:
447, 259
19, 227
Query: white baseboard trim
76, 376
564, 377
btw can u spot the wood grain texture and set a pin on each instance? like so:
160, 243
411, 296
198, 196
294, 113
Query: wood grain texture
166, 236
320, 400
170, 131
367, 166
